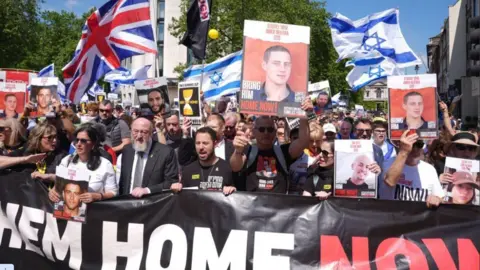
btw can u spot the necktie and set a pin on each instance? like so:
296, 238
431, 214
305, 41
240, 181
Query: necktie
138, 177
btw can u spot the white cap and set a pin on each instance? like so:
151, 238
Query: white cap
329, 128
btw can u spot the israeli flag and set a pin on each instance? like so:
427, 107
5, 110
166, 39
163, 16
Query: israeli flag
94, 89
379, 32
366, 71
219, 78
125, 76
48, 71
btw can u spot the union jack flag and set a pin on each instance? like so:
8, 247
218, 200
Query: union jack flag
118, 30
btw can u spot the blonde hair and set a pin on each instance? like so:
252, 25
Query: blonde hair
17, 131
36, 135
316, 131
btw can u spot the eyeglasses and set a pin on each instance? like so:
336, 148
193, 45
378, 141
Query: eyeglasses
229, 127
463, 147
267, 129
81, 140
361, 131
51, 137
3, 129
325, 153
143, 132
105, 111
380, 131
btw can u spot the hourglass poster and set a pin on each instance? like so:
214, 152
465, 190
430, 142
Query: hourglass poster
189, 99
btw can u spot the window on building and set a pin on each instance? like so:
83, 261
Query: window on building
367, 93
161, 10
475, 8
379, 93
160, 32
160, 59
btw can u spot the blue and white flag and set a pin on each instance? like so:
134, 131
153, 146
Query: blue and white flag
378, 34
125, 76
48, 71
94, 89
220, 78
366, 71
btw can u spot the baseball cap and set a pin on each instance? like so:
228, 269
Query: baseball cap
464, 178
329, 128
464, 138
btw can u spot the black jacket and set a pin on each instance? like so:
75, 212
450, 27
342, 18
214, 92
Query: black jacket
160, 171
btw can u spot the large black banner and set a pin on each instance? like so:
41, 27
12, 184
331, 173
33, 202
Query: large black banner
206, 230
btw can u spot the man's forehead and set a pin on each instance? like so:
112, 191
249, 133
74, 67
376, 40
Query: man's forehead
276, 56
172, 119
154, 94
44, 90
264, 122
108, 106
71, 186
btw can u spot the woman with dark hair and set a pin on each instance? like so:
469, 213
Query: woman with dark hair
87, 157
320, 175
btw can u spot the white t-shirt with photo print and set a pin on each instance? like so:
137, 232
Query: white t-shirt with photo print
416, 183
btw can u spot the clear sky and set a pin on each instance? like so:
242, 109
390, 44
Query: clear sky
419, 19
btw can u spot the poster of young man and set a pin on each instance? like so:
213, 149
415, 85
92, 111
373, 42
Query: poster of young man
460, 184
320, 94
43, 93
152, 95
274, 69
100, 96
413, 105
189, 99
69, 187
12, 99
352, 176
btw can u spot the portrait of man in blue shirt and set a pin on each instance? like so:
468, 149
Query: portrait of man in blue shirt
277, 63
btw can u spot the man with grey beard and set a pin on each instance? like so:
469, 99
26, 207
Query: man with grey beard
145, 166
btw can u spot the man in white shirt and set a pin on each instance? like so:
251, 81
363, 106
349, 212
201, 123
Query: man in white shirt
224, 148
408, 178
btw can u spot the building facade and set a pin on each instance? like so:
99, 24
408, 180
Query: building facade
376, 92
170, 53
454, 55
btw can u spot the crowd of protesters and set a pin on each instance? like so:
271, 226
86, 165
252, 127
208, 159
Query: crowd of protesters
126, 153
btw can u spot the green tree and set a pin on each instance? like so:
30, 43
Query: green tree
228, 17
17, 30
57, 38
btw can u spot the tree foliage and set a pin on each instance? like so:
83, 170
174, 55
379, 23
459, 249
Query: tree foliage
228, 18
17, 30
32, 39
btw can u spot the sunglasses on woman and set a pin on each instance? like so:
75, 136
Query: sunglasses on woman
267, 129
51, 137
81, 140
463, 147
325, 153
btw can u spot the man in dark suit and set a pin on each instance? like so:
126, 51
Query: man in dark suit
145, 166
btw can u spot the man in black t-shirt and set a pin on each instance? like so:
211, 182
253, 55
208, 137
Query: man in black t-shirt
209, 172
266, 165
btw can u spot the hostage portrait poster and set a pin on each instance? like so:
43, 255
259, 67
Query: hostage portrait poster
43, 93
274, 69
70, 184
413, 105
461, 185
12, 99
352, 175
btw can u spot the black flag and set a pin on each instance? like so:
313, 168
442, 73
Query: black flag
198, 20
